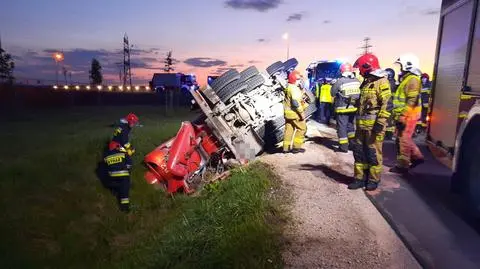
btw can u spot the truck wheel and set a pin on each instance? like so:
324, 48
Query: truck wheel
254, 82
225, 79
275, 68
248, 73
290, 64
231, 89
470, 174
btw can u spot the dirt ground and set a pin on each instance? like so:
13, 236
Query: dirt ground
333, 227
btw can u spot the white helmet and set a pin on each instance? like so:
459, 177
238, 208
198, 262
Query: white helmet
409, 63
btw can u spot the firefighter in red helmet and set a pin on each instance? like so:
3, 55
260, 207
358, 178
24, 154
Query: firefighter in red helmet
371, 122
294, 107
346, 92
118, 161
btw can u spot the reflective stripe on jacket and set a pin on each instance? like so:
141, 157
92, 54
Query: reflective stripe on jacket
346, 92
406, 100
293, 104
374, 95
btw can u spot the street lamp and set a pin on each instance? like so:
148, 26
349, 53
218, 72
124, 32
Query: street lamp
286, 37
58, 57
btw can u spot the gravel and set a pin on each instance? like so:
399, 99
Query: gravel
333, 227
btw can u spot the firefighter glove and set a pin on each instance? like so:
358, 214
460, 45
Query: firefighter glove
378, 128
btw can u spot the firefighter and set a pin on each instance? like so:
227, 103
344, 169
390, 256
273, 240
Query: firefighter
122, 133
325, 100
118, 163
390, 131
294, 107
425, 101
346, 91
407, 109
372, 117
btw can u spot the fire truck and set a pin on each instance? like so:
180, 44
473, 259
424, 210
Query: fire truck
454, 119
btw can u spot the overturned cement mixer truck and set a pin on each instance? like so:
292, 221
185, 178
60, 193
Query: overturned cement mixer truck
242, 116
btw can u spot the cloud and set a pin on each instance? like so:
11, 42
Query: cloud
257, 5
204, 62
261, 40
236, 65
430, 12
327, 21
254, 62
295, 17
220, 70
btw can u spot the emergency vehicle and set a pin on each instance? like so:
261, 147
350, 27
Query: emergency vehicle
454, 120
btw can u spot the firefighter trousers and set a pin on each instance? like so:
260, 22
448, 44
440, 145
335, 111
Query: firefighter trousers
325, 112
345, 129
367, 150
120, 186
407, 150
294, 130
390, 125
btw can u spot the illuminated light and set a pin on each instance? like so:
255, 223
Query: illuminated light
55, 87
77, 87
428, 118
147, 88
137, 88
88, 87
110, 88
120, 88
58, 56
99, 87
285, 36
128, 87
65, 87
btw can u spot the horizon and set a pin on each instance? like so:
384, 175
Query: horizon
230, 34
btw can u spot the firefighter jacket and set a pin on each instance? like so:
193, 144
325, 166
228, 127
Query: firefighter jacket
121, 135
406, 101
425, 95
346, 92
393, 88
293, 103
118, 163
372, 108
322, 92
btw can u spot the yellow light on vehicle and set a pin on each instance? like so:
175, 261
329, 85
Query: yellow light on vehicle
128, 87
147, 88
120, 88
65, 87
77, 87
137, 88
110, 88
88, 87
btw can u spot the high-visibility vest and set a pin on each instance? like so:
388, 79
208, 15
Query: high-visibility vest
323, 93
400, 107
293, 95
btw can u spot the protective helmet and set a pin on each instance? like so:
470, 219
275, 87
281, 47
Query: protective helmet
132, 119
346, 69
408, 62
391, 73
425, 75
294, 76
366, 64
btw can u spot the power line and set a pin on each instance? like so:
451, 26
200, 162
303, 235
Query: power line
127, 71
366, 46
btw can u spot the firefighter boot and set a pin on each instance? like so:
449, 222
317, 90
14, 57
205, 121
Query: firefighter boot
356, 184
371, 186
297, 150
343, 148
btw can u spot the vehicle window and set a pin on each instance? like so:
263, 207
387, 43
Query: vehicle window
474, 67
328, 70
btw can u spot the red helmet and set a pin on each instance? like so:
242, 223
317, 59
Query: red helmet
346, 67
294, 76
425, 75
366, 64
132, 119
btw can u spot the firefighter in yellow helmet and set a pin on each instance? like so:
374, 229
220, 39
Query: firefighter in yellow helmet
372, 117
406, 111
294, 107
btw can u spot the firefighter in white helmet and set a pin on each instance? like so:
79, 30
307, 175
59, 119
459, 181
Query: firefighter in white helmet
406, 111
346, 91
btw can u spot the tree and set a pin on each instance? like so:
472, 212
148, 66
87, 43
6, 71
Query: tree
96, 72
6, 66
169, 63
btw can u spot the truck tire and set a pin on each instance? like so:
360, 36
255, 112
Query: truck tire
310, 110
231, 89
275, 67
248, 73
290, 64
225, 79
254, 82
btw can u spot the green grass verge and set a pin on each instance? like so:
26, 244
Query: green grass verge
55, 213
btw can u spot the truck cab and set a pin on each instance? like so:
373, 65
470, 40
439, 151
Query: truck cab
454, 120
322, 70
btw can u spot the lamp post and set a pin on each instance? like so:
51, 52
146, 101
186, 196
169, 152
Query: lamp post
286, 37
58, 57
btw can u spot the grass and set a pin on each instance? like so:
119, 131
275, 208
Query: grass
56, 214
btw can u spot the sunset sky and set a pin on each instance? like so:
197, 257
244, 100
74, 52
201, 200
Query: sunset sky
210, 36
